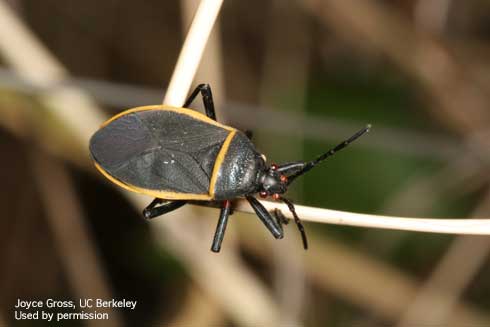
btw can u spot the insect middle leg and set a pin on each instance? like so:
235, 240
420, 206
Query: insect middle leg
207, 99
152, 211
221, 227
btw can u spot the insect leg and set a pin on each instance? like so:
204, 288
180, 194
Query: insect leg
193, 95
207, 99
281, 220
221, 228
151, 211
154, 203
297, 221
266, 217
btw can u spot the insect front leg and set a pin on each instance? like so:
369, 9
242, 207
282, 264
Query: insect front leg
297, 221
152, 211
266, 217
207, 99
221, 227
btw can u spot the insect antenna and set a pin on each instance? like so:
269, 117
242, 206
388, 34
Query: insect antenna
297, 221
309, 165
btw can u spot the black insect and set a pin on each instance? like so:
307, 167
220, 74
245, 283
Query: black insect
178, 155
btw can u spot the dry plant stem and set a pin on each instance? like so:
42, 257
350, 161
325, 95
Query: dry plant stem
191, 52
327, 216
200, 308
72, 236
254, 306
210, 69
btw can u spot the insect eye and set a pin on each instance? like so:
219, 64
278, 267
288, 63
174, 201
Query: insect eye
274, 166
276, 196
284, 178
263, 194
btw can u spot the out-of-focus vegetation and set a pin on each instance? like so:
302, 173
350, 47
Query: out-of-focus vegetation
424, 157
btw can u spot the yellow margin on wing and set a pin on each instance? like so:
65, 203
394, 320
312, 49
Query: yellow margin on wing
219, 160
174, 195
184, 111
157, 194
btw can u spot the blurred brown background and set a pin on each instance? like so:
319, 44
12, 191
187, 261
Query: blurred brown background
303, 75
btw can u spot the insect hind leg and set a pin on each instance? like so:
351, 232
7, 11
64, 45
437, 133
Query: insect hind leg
207, 99
152, 211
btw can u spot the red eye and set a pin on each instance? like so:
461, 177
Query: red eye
274, 167
263, 194
276, 196
284, 178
